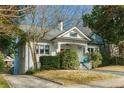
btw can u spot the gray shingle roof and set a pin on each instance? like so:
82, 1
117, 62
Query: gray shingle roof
87, 31
52, 34
55, 32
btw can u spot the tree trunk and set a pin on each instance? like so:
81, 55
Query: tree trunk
33, 53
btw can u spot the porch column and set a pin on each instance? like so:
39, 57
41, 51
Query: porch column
86, 48
58, 47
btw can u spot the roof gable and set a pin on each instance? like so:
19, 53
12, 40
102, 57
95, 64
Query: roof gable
80, 34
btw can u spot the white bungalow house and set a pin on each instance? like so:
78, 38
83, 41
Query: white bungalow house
56, 41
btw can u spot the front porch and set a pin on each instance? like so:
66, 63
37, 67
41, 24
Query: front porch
81, 49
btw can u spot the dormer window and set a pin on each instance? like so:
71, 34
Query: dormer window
73, 34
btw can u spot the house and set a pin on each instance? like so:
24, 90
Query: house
81, 40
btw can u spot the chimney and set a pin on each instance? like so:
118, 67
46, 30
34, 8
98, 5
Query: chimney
60, 26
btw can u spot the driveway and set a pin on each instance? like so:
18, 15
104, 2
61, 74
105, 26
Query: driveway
110, 83
110, 72
26, 81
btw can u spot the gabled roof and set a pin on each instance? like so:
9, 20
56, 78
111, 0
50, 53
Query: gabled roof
54, 33
48, 36
76, 30
87, 31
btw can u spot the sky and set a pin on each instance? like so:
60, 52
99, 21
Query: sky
73, 15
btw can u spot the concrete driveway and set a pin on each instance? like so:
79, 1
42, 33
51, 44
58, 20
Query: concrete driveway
110, 72
26, 81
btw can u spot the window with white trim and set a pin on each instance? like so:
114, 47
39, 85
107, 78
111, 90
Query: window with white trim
90, 50
46, 49
42, 49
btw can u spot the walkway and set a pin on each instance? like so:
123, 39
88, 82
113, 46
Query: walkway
26, 81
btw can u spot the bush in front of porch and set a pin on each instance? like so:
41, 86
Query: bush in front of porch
69, 60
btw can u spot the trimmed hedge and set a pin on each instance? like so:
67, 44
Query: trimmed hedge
69, 60
64, 60
50, 62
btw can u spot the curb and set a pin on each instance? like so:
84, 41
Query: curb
54, 81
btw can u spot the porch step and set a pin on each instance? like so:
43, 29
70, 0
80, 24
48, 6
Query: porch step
85, 66
82, 67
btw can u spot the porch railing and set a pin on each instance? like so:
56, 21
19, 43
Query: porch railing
85, 65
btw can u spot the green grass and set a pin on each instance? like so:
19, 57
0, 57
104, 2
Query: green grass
71, 77
3, 83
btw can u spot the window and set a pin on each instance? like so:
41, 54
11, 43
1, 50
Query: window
73, 34
42, 49
46, 49
90, 50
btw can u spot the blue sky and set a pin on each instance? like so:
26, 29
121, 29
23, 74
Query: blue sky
78, 10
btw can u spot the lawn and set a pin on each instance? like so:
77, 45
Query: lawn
112, 68
71, 77
3, 83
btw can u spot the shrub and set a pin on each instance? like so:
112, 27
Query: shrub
69, 60
97, 59
106, 59
117, 61
2, 65
50, 62
30, 72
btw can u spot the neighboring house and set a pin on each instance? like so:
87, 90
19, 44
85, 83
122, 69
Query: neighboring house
57, 40
8, 63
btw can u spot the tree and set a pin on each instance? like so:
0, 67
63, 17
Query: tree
47, 18
7, 45
10, 15
2, 65
107, 21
